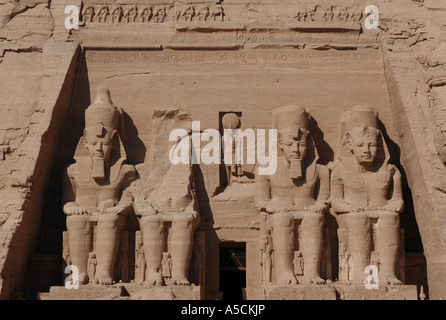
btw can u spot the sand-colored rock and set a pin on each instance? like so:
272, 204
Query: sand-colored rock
167, 64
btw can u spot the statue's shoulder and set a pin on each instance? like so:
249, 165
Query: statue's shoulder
128, 168
337, 173
386, 173
389, 169
261, 176
128, 172
72, 170
337, 168
392, 168
322, 169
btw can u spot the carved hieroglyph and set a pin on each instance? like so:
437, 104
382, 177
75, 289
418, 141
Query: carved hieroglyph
95, 188
367, 188
289, 195
164, 203
328, 13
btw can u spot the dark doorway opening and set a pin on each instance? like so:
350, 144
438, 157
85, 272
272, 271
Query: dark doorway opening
233, 270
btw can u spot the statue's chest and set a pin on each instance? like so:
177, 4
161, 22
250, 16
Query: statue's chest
290, 187
367, 182
99, 190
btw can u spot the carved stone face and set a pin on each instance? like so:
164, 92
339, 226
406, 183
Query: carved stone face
363, 143
294, 149
99, 147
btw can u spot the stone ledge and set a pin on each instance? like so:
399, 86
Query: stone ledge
359, 292
122, 291
339, 292
299, 292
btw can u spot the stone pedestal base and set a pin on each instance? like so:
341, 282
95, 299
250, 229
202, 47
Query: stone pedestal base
359, 292
339, 292
122, 291
299, 292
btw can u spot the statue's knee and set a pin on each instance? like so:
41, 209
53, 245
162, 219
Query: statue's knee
389, 219
151, 222
78, 222
357, 220
313, 219
283, 220
183, 221
110, 221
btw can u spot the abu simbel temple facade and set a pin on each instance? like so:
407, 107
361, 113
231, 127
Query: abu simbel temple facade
217, 150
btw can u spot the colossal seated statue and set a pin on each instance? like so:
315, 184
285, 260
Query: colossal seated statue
165, 205
367, 188
290, 194
95, 189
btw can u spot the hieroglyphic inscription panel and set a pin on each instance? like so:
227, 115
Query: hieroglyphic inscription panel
261, 57
223, 38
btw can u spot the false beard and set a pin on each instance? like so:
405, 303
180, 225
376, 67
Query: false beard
296, 169
98, 172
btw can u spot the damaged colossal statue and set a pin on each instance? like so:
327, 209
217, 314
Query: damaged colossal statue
95, 189
165, 206
367, 190
289, 196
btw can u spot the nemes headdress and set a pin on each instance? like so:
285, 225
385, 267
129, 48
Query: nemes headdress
101, 117
297, 119
364, 118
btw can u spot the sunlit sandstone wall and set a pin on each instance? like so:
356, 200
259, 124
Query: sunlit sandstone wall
250, 69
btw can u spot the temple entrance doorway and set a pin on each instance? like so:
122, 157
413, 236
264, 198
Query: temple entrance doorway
233, 270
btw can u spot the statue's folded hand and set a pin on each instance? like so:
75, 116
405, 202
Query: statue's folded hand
269, 207
72, 209
341, 206
122, 208
318, 207
113, 210
394, 206
274, 208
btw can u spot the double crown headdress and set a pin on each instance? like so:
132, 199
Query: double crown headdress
101, 117
364, 117
297, 120
292, 117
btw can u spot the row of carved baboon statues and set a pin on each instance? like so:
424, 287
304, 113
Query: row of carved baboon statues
363, 191
133, 13
329, 14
